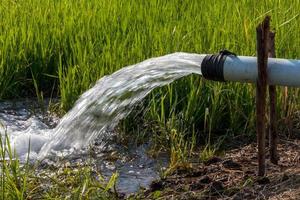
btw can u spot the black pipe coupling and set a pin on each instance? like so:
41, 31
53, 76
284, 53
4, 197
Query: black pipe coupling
212, 66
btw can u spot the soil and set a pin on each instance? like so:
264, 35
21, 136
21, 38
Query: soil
234, 176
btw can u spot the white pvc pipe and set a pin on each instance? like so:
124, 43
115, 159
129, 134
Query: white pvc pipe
282, 72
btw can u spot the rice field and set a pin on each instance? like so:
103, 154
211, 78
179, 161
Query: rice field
59, 49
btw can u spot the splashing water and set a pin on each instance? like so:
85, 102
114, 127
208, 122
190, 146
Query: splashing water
25, 124
93, 118
103, 106
114, 96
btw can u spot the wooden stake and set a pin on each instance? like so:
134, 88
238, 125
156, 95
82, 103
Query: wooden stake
262, 36
273, 138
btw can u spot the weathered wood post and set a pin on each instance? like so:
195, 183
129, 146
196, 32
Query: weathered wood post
262, 36
273, 138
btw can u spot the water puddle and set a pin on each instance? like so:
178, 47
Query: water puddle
25, 121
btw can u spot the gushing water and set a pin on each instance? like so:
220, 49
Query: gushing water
101, 108
95, 114
114, 96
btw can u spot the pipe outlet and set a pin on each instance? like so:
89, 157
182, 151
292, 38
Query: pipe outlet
226, 66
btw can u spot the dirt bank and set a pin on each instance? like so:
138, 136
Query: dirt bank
233, 176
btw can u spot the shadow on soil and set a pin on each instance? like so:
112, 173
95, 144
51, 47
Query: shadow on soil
233, 176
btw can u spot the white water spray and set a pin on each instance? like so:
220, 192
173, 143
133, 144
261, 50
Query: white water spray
103, 106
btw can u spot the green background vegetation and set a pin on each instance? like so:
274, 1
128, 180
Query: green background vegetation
60, 48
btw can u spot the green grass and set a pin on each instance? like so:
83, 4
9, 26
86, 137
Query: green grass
27, 181
60, 48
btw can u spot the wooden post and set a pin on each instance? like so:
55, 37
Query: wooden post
262, 36
273, 138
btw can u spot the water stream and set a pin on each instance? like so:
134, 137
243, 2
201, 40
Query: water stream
97, 111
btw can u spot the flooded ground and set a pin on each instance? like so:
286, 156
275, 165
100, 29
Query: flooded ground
135, 168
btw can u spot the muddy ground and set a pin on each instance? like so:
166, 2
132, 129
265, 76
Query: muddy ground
233, 176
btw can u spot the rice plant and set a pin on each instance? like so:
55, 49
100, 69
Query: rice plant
60, 48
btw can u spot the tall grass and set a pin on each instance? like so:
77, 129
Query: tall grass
26, 181
69, 44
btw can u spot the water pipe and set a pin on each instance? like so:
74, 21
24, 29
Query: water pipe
226, 66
